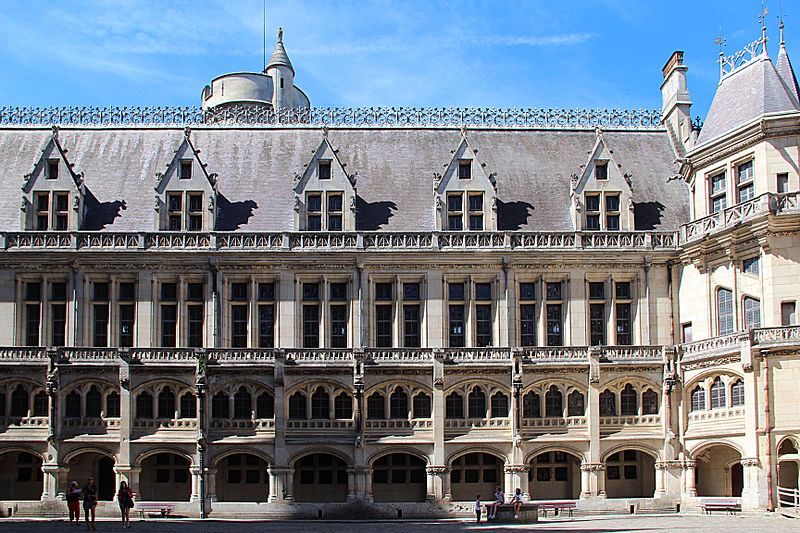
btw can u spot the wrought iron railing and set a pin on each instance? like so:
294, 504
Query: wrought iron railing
245, 114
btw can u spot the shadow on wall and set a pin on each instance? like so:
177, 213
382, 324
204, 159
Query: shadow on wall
100, 214
371, 216
647, 215
513, 215
232, 215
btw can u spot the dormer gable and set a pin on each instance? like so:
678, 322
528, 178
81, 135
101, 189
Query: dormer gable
325, 194
186, 194
53, 193
602, 193
465, 195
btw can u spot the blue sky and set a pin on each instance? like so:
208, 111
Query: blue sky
606, 53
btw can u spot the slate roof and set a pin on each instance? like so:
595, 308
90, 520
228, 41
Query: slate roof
395, 173
745, 94
784, 68
279, 56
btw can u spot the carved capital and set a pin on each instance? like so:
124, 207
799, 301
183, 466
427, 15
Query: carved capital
592, 467
437, 469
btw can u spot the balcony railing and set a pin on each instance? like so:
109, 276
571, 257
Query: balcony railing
337, 241
776, 204
761, 338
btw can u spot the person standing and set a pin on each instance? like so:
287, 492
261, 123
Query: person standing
89, 501
74, 503
478, 508
125, 499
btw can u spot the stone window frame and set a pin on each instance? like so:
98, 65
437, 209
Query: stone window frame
640, 387
704, 383
182, 303
154, 388
470, 304
541, 389
411, 389
723, 314
113, 303
44, 302
307, 389
398, 302
31, 389
252, 303
716, 195
83, 387
324, 304
749, 182
751, 317
255, 390
489, 389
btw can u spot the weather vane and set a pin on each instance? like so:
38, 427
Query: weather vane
763, 18
721, 41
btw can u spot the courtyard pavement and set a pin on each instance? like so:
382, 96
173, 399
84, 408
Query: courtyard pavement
593, 524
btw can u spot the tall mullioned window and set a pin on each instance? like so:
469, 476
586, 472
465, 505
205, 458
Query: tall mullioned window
32, 298
716, 193
311, 303
383, 315
58, 312
744, 182
622, 296
483, 314
411, 315
266, 315
240, 305
100, 314
597, 313
338, 315
555, 321
126, 297
456, 314
725, 311
169, 315
527, 314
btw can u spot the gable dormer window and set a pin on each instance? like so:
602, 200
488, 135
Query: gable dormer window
601, 170
191, 218
52, 169
465, 169
455, 212
186, 170
324, 170
335, 212
476, 211
174, 209
612, 212
52, 211
314, 210
195, 211
592, 212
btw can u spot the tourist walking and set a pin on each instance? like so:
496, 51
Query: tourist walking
89, 501
125, 499
478, 508
74, 503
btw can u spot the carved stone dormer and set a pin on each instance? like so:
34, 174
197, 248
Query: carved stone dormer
465, 195
601, 192
186, 194
52, 192
325, 194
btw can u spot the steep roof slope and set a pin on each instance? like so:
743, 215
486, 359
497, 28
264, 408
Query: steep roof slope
744, 95
394, 167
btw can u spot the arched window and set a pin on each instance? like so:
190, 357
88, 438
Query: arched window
19, 402
737, 393
717, 393
454, 406
320, 404
242, 404
531, 406
698, 398
575, 404
649, 402
94, 402
628, 401
477, 403
499, 405
376, 407
40, 404
72, 405
725, 311
219, 406
297, 406
166, 403
608, 403
553, 403
343, 406
112, 405
265, 406
188, 405
398, 404
144, 405
422, 406
752, 313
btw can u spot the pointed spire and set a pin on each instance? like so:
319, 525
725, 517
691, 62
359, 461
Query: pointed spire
279, 56
785, 70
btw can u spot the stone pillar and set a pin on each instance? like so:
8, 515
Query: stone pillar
211, 484
436, 476
279, 489
600, 479
593, 480
196, 473
751, 486
586, 482
661, 469
51, 476
689, 478
516, 478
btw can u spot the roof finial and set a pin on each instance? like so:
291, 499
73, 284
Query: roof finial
280, 35
722, 42
782, 43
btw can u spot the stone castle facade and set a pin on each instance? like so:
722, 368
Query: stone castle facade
316, 311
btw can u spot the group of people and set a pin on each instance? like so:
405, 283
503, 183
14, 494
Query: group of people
499, 499
88, 494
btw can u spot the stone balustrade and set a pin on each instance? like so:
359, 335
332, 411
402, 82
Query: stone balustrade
100, 241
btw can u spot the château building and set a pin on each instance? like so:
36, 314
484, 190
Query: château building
261, 308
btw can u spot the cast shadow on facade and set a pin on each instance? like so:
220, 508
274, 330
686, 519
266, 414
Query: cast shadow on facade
101, 214
372, 215
512, 216
233, 215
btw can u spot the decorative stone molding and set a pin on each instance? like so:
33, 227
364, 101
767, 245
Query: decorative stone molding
437, 469
749, 461
516, 469
593, 467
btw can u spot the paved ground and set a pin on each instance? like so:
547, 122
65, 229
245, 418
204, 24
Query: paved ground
598, 524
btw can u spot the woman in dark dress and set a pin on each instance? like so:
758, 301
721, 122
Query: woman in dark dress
125, 499
89, 492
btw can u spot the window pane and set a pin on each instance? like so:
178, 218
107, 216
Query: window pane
624, 324
725, 311
266, 326
483, 292
476, 202
411, 326
597, 324
554, 336
310, 326
455, 292
527, 324
195, 313
457, 326
411, 291
612, 203
483, 325
338, 326
383, 326
239, 322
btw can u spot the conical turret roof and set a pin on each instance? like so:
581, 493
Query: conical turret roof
279, 56
784, 68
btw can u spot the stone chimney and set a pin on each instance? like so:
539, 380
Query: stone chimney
676, 106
